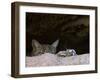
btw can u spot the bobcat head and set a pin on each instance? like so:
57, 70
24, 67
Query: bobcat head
39, 49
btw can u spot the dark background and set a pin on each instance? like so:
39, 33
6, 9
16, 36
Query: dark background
69, 29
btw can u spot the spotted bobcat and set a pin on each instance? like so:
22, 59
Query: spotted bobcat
39, 49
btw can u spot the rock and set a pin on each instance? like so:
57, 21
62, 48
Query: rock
49, 59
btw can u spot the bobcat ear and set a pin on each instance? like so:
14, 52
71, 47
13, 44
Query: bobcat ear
35, 43
55, 44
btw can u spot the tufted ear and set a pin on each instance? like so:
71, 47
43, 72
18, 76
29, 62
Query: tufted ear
55, 44
35, 44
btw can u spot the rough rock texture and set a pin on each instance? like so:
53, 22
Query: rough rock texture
48, 59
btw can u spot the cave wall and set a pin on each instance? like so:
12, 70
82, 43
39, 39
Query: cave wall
71, 30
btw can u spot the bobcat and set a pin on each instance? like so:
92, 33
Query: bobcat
39, 49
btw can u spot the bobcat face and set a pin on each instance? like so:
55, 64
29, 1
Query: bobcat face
39, 49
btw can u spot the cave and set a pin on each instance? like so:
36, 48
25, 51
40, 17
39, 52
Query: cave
72, 30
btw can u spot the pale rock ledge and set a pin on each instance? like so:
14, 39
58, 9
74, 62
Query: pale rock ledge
49, 59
